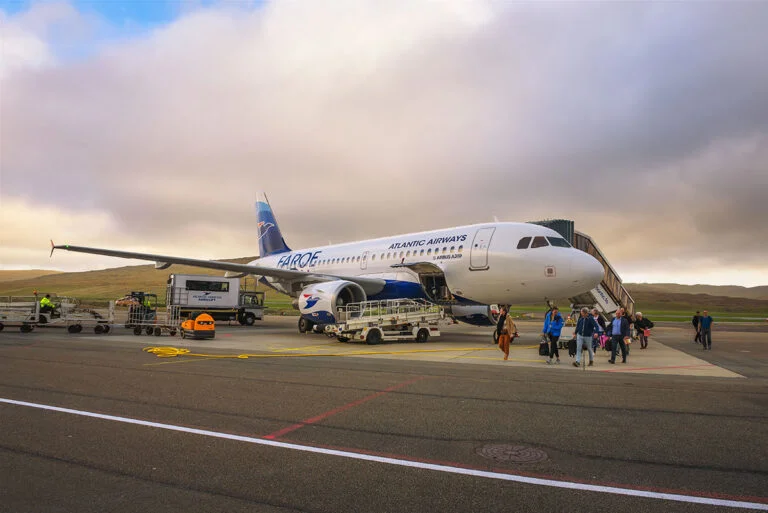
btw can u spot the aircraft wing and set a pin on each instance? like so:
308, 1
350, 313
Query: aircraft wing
370, 285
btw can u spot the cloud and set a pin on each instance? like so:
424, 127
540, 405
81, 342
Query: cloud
645, 123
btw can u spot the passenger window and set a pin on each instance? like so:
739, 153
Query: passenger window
539, 242
461, 248
444, 250
559, 242
453, 248
389, 255
429, 251
401, 254
373, 257
524, 243
408, 254
382, 256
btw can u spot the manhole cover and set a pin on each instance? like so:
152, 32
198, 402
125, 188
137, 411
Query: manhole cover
512, 453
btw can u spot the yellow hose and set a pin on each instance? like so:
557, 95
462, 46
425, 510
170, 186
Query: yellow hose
172, 352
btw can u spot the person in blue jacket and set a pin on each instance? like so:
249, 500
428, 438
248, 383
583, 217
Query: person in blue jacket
705, 328
619, 333
586, 329
553, 325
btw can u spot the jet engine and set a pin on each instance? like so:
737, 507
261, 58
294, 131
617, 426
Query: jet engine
477, 315
319, 303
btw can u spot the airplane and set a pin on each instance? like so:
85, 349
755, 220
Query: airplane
465, 268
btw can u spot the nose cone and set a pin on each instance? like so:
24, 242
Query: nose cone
586, 269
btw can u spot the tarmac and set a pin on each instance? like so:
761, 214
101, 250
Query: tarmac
269, 420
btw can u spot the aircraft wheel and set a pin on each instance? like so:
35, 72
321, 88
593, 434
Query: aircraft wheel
373, 337
305, 325
137, 331
422, 335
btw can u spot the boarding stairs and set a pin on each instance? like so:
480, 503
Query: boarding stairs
610, 294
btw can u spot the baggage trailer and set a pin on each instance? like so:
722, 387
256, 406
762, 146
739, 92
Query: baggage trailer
375, 322
144, 316
220, 297
25, 312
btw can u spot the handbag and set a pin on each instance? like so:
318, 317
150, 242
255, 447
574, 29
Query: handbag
646, 332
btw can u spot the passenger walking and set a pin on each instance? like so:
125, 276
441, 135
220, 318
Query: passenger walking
705, 330
553, 325
586, 329
505, 328
695, 321
643, 326
619, 335
599, 340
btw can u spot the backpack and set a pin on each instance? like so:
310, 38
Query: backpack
572, 347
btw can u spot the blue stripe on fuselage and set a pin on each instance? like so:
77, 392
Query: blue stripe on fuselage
395, 289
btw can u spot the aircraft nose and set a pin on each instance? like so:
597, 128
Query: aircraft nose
587, 269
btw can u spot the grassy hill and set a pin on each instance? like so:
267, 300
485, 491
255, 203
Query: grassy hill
712, 290
23, 275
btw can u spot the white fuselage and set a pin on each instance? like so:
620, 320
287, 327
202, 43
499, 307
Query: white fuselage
481, 263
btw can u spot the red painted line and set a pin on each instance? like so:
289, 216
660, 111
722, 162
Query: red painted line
329, 413
661, 368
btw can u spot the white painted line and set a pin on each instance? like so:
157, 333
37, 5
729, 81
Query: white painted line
648, 494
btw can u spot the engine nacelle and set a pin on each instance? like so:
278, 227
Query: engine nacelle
477, 315
319, 303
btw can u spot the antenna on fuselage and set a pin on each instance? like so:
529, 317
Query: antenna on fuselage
495, 219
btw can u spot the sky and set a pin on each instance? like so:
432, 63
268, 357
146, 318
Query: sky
151, 125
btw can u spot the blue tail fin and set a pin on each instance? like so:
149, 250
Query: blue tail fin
271, 241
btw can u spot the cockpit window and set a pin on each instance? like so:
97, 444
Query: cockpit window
524, 243
539, 242
559, 242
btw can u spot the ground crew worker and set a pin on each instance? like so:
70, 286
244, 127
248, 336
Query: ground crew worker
46, 305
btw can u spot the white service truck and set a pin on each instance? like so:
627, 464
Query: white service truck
218, 296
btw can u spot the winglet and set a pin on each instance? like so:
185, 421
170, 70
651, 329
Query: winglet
53, 246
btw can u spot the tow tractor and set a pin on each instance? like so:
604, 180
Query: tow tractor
375, 322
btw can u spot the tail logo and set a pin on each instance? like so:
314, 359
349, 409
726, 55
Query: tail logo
264, 227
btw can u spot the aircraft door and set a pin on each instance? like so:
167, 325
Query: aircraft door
364, 260
478, 255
